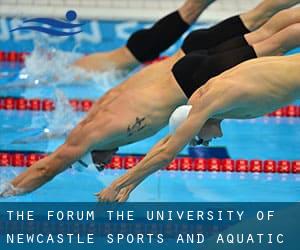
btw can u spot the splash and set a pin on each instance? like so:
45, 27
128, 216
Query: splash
8, 190
63, 119
48, 66
59, 122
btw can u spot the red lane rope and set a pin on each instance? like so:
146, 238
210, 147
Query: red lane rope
36, 104
13, 56
85, 105
21, 159
19, 57
12, 103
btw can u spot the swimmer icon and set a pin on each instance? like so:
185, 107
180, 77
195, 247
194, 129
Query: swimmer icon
57, 27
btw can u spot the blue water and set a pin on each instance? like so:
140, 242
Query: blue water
263, 138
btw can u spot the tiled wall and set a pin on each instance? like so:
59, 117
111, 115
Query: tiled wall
117, 9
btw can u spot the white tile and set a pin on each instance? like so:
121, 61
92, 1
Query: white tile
119, 4
143, 9
24, 2
166, 4
103, 3
56, 2
41, 2
11, 2
90, 3
151, 4
135, 3
72, 2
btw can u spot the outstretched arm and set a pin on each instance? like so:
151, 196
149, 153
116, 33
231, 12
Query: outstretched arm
160, 156
44, 170
79, 141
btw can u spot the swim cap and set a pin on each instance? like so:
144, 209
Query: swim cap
178, 117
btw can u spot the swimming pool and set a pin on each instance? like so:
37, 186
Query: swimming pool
266, 138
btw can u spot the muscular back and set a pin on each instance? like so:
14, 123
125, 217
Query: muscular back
137, 108
258, 86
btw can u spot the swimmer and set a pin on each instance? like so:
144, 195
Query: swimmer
278, 22
147, 44
137, 109
276, 83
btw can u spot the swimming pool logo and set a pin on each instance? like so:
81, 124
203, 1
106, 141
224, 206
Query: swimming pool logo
57, 27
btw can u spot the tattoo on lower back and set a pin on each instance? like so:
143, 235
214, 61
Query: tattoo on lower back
137, 126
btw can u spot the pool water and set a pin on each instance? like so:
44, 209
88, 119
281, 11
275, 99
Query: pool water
263, 138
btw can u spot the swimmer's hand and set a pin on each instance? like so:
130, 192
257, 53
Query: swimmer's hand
124, 194
111, 194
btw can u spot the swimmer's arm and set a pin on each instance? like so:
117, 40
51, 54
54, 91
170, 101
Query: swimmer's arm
118, 59
47, 168
163, 153
43, 171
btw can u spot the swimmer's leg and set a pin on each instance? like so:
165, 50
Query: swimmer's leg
256, 17
229, 34
147, 44
279, 43
280, 21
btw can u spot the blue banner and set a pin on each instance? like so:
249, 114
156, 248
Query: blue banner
95, 35
149, 225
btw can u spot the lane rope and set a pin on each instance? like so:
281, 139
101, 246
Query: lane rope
26, 159
21, 159
11, 103
84, 105
19, 57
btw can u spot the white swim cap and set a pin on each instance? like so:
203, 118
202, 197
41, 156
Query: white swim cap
178, 117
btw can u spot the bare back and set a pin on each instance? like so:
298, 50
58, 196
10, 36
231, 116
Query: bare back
251, 89
259, 86
140, 106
